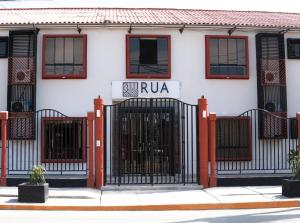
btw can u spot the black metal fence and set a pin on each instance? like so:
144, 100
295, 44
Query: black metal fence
47, 138
256, 142
151, 141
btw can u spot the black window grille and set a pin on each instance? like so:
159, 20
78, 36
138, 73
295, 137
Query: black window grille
233, 138
293, 128
65, 56
293, 46
271, 85
148, 56
3, 47
63, 138
21, 84
21, 98
227, 56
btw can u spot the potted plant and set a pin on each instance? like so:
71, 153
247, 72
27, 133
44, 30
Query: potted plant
291, 187
36, 190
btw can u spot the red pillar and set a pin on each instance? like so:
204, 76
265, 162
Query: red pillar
99, 142
298, 122
212, 149
203, 142
91, 176
3, 118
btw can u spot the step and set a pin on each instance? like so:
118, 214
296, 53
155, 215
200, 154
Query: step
169, 187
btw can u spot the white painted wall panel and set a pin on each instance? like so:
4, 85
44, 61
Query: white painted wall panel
106, 62
3, 78
293, 80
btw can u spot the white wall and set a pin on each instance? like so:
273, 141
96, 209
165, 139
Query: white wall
3, 78
293, 80
106, 62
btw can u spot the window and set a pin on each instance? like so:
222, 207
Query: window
63, 139
148, 56
293, 128
64, 56
233, 138
3, 47
226, 57
293, 46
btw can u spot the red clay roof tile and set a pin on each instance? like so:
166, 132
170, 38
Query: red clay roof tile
149, 16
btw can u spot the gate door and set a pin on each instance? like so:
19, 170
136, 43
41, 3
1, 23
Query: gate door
150, 141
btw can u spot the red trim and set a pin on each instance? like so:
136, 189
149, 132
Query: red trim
147, 76
91, 163
208, 75
203, 142
249, 139
3, 132
60, 76
99, 141
45, 119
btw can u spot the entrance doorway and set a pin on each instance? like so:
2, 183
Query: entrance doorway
147, 142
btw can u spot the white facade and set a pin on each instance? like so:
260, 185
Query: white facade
106, 62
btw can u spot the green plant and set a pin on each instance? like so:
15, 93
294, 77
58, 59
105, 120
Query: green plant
37, 175
294, 160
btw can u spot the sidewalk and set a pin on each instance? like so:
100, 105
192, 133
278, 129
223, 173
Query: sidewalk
162, 199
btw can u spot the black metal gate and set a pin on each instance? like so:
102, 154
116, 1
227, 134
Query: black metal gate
151, 141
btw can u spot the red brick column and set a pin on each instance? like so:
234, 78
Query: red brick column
99, 142
298, 122
91, 163
212, 149
203, 142
3, 118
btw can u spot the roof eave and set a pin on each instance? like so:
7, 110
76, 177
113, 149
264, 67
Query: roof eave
148, 25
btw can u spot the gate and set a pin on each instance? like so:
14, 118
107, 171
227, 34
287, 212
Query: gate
151, 141
48, 138
256, 142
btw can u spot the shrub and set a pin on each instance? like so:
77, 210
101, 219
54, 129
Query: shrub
37, 175
294, 161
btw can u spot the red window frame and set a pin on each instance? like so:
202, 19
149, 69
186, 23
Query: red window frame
209, 75
248, 157
148, 75
69, 76
84, 139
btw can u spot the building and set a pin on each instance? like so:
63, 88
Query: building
55, 62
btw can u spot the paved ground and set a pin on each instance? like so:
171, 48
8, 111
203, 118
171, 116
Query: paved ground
163, 196
290, 215
210, 195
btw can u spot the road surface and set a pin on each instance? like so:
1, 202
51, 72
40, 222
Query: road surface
291, 215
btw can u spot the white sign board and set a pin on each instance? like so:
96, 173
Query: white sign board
145, 89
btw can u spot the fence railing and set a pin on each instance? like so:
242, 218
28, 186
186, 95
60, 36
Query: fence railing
255, 142
48, 138
151, 141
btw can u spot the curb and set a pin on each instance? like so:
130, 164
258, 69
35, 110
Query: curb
171, 207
